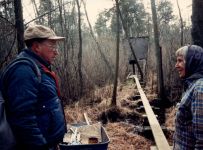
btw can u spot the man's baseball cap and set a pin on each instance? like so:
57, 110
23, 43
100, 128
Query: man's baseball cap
40, 31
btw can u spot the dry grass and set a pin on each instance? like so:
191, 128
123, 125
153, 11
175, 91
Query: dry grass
122, 138
122, 135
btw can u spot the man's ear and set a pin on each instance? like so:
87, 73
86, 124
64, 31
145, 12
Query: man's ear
36, 47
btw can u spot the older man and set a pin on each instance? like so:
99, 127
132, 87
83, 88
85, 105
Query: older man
33, 107
189, 118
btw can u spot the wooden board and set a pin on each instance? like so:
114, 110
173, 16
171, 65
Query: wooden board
159, 137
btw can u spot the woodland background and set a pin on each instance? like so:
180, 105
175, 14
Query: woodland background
87, 58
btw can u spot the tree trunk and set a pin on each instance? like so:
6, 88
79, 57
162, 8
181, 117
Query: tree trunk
60, 16
197, 22
80, 49
158, 53
113, 101
19, 24
181, 25
50, 16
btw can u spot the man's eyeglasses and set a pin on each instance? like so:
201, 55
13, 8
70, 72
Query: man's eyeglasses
52, 47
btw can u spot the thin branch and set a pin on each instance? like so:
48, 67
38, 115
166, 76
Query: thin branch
45, 14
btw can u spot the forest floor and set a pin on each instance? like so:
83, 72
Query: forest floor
123, 122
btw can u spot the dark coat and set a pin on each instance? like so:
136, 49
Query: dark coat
33, 107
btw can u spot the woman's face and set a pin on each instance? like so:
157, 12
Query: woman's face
180, 66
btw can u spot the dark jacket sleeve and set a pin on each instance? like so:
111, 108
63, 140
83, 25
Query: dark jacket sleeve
22, 98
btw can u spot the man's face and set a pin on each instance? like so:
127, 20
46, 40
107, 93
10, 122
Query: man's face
48, 50
180, 66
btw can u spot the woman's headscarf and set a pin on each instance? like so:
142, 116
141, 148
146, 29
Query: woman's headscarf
194, 63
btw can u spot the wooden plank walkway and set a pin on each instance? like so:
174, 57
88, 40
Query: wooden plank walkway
159, 137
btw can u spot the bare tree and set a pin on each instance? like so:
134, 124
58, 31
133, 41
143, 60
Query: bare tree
181, 24
19, 24
158, 52
113, 101
80, 48
97, 43
60, 15
126, 30
36, 10
50, 15
197, 22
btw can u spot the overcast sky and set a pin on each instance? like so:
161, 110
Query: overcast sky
96, 6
